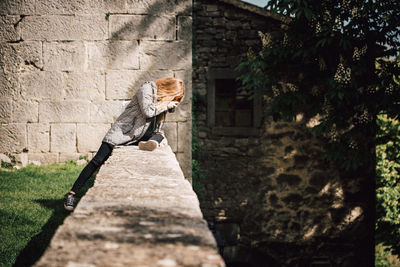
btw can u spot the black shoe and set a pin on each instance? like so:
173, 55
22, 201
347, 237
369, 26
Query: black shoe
69, 202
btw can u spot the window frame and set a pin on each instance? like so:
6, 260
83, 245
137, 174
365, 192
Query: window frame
214, 74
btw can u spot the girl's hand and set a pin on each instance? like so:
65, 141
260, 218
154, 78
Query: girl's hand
172, 104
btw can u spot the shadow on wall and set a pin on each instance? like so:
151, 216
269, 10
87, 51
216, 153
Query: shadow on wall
155, 40
286, 203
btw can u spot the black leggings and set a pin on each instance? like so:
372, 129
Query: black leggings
102, 155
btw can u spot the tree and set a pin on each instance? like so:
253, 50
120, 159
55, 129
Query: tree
336, 62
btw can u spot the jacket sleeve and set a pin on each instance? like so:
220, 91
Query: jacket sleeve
145, 99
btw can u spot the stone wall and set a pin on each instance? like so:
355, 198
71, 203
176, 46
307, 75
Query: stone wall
267, 193
141, 211
69, 67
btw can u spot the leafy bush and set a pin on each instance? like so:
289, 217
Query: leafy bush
388, 183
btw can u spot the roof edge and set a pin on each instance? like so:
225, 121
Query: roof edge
255, 9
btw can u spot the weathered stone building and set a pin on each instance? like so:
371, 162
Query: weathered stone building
69, 67
264, 188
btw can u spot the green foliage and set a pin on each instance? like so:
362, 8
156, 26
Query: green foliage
83, 157
31, 209
330, 61
197, 153
6, 165
384, 257
107, 16
388, 183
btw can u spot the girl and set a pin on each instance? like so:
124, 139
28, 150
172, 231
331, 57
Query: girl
139, 123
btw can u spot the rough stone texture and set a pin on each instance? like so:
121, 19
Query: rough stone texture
25, 111
123, 84
133, 27
140, 212
106, 111
89, 136
5, 111
79, 61
64, 111
42, 85
60, 28
288, 205
156, 7
63, 138
84, 85
171, 132
9, 85
5, 158
21, 56
183, 137
157, 55
42, 158
7, 30
63, 157
38, 137
13, 137
113, 55
64, 56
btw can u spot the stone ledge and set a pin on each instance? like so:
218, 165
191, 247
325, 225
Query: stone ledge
141, 211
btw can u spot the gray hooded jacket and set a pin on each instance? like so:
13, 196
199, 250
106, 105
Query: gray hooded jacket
133, 122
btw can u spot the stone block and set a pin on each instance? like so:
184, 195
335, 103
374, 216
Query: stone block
106, 111
38, 137
84, 85
171, 132
23, 56
7, 30
5, 111
158, 55
113, 55
25, 111
13, 137
185, 162
5, 158
21, 159
9, 85
89, 136
133, 27
64, 111
159, 7
64, 56
43, 158
17, 7
63, 157
124, 84
63, 138
64, 28
185, 28
42, 85
185, 137
80, 7
182, 113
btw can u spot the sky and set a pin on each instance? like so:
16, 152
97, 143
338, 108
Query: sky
260, 3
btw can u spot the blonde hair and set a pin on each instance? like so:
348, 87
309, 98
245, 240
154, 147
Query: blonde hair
169, 89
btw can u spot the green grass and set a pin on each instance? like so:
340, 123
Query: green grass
31, 209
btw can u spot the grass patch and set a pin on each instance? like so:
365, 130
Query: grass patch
31, 209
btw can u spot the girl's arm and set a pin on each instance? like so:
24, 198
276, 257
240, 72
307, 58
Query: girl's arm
145, 99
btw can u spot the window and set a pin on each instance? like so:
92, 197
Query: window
232, 105
230, 111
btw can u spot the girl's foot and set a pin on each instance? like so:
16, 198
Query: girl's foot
69, 202
148, 145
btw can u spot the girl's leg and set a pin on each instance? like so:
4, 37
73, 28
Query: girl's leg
101, 156
158, 137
